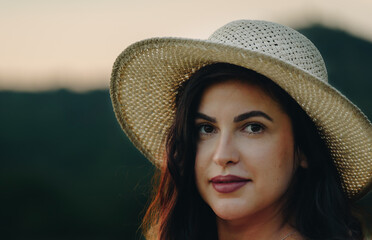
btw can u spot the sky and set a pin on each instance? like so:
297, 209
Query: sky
51, 44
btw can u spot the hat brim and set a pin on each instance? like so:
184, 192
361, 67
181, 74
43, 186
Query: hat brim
147, 75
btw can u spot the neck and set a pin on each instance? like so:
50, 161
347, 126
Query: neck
268, 225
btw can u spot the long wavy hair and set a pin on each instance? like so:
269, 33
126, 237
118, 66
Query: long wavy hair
315, 204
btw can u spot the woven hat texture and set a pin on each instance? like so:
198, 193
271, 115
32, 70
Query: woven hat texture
146, 77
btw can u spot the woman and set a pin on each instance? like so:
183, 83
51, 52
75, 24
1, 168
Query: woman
251, 140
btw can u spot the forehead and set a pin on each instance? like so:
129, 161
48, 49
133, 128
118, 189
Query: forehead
238, 92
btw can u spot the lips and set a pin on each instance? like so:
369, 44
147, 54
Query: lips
228, 183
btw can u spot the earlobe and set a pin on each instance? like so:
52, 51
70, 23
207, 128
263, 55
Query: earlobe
303, 161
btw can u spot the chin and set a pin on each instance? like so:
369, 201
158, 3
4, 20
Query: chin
231, 215
230, 211
228, 217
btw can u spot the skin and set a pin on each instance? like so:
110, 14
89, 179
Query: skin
259, 148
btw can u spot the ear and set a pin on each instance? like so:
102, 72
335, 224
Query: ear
302, 160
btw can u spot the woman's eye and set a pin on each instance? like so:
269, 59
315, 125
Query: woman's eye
253, 128
206, 129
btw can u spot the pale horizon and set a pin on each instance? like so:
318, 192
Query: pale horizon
73, 44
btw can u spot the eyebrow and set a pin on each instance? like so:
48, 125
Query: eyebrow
206, 117
247, 115
239, 118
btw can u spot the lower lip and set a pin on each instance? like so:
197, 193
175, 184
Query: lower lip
228, 187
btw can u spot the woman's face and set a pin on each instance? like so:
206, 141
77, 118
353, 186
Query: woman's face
245, 152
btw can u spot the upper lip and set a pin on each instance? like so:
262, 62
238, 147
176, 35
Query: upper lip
228, 178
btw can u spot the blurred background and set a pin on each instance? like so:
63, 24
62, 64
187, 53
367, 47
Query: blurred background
67, 171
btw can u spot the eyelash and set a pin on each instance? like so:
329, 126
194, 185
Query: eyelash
203, 125
262, 127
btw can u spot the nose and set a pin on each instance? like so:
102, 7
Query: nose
225, 152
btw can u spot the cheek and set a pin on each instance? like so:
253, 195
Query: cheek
271, 161
205, 168
285, 150
198, 171
269, 154
204, 154
201, 165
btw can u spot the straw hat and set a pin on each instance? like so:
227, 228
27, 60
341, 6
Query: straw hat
146, 77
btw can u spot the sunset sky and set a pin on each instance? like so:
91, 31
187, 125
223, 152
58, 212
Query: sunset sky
49, 44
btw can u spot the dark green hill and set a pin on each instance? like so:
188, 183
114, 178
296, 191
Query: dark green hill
68, 172
349, 63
